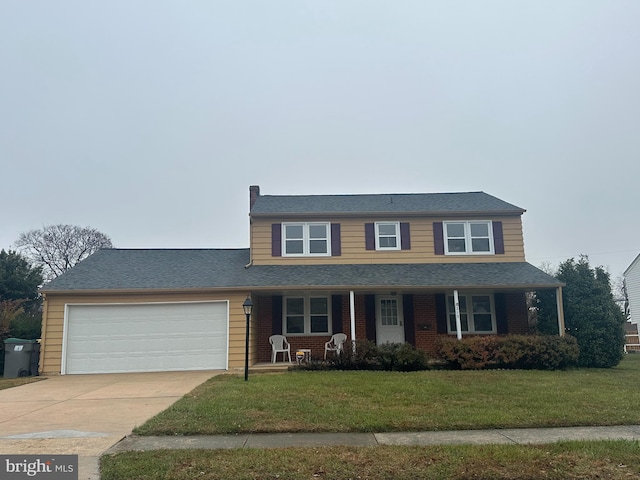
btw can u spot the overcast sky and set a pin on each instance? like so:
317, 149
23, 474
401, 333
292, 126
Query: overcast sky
148, 120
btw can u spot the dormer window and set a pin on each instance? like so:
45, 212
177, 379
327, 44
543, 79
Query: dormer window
306, 239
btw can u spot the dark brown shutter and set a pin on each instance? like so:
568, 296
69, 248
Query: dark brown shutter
500, 304
498, 238
409, 319
369, 236
336, 249
276, 240
438, 238
441, 313
405, 236
276, 315
370, 317
336, 313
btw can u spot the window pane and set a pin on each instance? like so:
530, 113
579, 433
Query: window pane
464, 323
295, 324
387, 242
479, 229
457, 245
480, 245
462, 301
295, 306
481, 304
462, 304
293, 246
317, 231
293, 231
389, 312
319, 306
455, 229
387, 229
482, 322
319, 324
317, 246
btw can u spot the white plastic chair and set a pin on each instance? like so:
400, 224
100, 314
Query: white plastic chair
279, 344
335, 344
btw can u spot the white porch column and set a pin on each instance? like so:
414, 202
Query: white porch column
352, 312
456, 304
560, 311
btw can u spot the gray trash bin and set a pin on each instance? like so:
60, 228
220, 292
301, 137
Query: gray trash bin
17, 357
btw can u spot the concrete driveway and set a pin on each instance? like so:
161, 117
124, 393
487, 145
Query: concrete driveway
86, 414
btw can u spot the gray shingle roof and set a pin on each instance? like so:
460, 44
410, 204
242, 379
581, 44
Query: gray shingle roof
431, 203
121, 269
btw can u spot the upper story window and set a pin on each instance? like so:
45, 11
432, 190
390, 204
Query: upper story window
477, 314
468, 238
388, 236
306, 315
299, 239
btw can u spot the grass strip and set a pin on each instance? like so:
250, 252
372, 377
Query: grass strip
567, 460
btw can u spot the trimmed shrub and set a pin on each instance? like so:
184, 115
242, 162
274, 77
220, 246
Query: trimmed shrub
402, 357
512, 351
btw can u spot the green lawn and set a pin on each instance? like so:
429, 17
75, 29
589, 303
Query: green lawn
391, 401
562, 461
385, 401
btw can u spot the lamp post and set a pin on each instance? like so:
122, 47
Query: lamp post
247, 306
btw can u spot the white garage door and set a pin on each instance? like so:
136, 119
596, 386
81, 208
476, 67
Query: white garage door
150, 337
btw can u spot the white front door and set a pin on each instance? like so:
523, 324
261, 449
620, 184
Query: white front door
389, 321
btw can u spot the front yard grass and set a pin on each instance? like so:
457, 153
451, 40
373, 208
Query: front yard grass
347, 401
614, 460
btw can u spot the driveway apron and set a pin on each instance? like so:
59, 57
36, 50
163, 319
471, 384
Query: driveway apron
85, 415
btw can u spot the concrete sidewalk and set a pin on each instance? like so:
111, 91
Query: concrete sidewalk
476, 437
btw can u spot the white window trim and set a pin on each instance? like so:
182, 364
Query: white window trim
306, 239
468, 238
377, 234
307, 315
470, 319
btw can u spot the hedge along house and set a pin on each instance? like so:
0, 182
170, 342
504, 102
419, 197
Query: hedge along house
387, 268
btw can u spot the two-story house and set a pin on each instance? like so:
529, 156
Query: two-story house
386, 267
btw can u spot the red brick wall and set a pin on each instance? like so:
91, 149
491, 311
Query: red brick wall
517, 315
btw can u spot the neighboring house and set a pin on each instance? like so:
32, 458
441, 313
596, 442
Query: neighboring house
388, 268
632, 285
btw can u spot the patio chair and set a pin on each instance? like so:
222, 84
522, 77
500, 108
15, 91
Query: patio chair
279, 344
335, 344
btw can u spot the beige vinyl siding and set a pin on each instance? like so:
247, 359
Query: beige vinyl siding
422, 248
53, 321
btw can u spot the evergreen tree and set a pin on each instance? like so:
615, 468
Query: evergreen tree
590, 312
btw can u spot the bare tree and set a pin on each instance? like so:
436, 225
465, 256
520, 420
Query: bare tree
57, 248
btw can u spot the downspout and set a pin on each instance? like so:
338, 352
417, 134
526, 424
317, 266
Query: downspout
352, 314
560, 308
456, 303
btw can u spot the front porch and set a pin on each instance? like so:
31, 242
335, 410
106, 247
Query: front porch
419, 318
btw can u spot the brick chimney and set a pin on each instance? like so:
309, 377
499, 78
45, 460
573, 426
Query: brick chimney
254, 193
